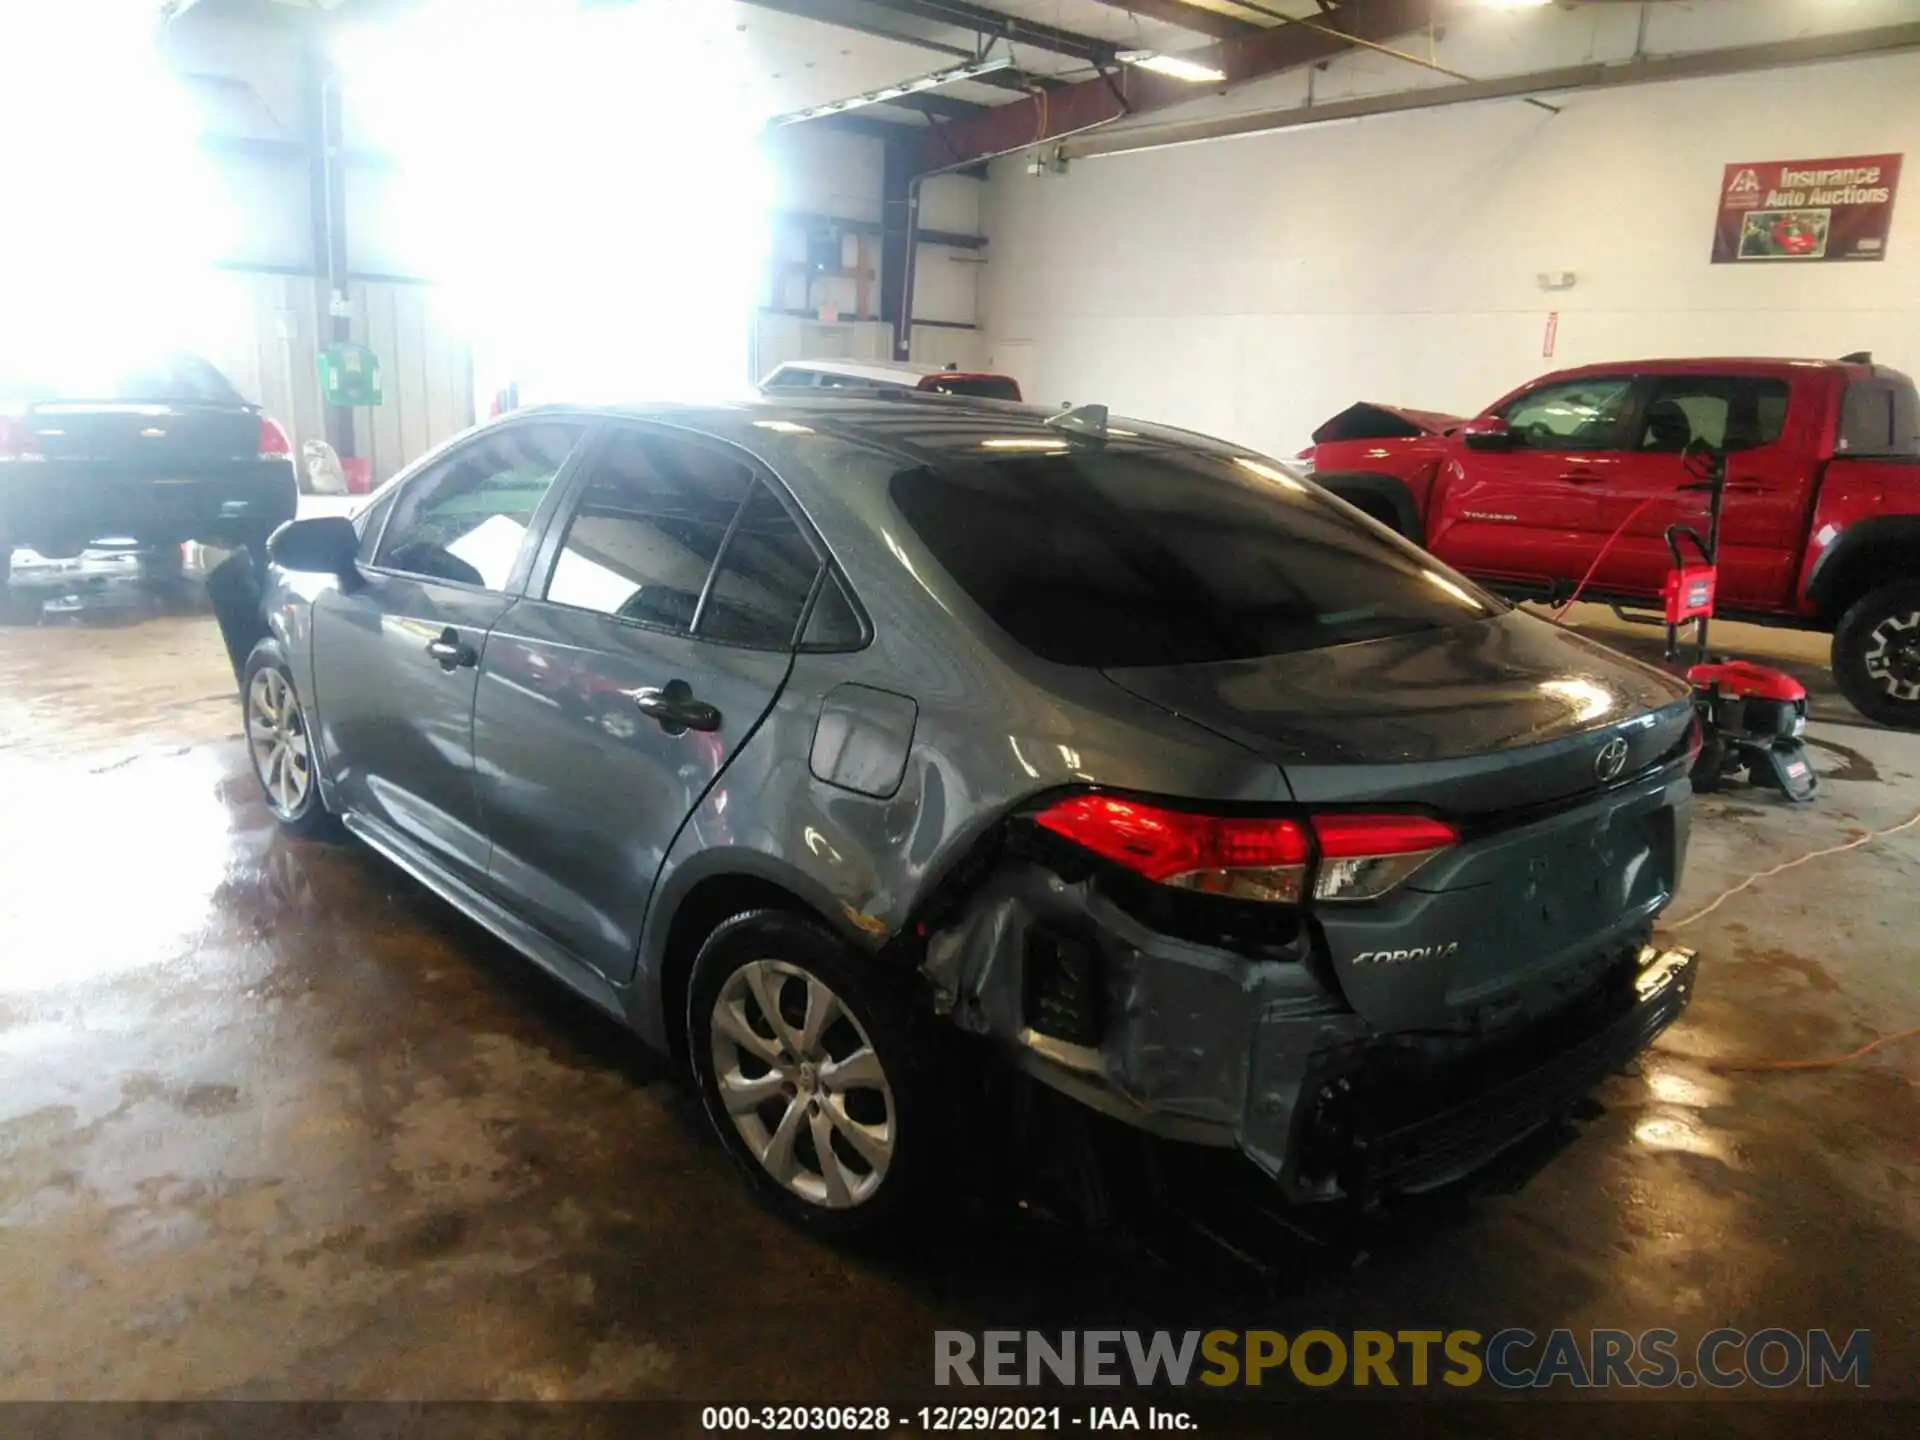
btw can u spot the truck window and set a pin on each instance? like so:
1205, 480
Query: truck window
1879, 417
1728, 412
1571, 414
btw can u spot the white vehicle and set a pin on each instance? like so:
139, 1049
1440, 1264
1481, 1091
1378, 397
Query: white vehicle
884, 375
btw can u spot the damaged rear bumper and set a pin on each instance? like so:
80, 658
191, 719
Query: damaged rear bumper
1261, 1052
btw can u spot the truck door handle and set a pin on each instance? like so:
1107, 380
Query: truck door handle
1581, 477
674, 709
452, 652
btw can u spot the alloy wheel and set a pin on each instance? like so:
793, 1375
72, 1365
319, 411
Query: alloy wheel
802, 1084
1892, 656
277, 739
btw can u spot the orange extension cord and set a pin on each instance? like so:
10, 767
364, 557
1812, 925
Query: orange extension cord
1829, 1062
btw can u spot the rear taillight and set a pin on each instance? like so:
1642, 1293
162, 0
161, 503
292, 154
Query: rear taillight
17, 439
274, 444
1364, 856
1349, 857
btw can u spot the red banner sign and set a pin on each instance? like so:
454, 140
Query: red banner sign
1839, 209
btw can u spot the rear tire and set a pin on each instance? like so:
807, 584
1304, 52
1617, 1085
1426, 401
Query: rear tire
280, 745
830, 1107
1876, 655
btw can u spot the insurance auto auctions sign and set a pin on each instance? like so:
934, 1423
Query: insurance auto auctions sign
1838, 209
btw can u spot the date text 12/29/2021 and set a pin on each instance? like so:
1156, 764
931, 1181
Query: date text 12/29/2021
940, 1419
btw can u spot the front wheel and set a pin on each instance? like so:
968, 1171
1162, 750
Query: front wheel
280, 744
815, 1074
1876, 655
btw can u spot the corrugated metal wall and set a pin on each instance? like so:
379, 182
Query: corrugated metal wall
426, 375
266, 338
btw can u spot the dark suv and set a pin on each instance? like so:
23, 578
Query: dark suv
969, 750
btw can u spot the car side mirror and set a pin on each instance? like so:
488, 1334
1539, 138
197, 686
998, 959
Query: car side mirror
324, 545
1489, 432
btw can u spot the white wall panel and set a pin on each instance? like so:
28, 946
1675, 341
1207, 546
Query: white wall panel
1254, 286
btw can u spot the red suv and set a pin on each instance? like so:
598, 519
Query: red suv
1581, 471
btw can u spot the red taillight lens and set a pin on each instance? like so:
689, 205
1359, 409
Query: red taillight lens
274, 444
1252, 859
1361, 856
18, 440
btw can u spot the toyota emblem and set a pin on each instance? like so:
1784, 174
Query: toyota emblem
1611, 760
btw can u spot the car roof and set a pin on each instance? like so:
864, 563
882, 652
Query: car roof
1716, 365
886, 372
916, 423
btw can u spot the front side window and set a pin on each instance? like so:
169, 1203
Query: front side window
1728, 412
466, 519
647, 529
1570, 415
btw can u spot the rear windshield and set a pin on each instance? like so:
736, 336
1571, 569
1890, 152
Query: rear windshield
177, 378
1879, 417
1114, 557
980, 387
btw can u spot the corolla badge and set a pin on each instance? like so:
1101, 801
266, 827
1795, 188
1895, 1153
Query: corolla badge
1402, 957
1611, 760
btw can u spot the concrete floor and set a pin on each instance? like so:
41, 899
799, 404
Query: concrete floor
275, 1123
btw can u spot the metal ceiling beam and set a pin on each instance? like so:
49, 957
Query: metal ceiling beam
1593, 75
1188, 16
848, 17
1072, 108
941, 107
964, 15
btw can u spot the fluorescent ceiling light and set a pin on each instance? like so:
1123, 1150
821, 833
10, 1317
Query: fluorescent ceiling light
1174, 67
920, 83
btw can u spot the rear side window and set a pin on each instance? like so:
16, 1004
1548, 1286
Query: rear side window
763, 580
1116, 557
789, 378
647, 529
980, 387
1728, 412
1879, 418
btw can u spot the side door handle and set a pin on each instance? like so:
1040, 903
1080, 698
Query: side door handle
452, 652
674, 709
1582, 477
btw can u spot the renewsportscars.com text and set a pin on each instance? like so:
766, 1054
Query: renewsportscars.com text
1513, 1359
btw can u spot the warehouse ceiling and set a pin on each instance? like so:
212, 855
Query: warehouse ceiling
810, 52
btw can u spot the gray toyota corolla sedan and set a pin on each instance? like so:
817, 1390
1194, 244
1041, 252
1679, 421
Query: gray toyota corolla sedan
924, 772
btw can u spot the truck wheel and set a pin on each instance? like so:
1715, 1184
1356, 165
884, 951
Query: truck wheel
1876, 655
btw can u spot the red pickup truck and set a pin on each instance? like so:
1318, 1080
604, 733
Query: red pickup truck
1821, 523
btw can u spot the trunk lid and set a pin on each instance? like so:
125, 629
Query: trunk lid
152, 437
1497, 715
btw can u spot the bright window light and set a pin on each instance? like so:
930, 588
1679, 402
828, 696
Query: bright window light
113, 214
1174, 67
585, 183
